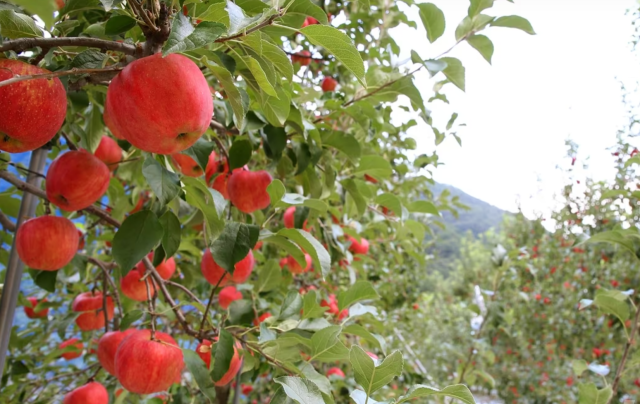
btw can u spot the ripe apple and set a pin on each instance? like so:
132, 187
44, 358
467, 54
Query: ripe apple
370, 179
303, 58
31, 313
213, 165
248, 190
246, 389
145, 366
187, 165
212, 272
32, 110
331, 304
329, 84
142, 199
221, 181
90, 393
47, 243
165, 269
76, 180
108, 346
204, 351
160, 104
106, 116
135, 289
288, 218
356, 247
109, 153
90, 305
76, 344
334, 371
295, 268
227, 295
80, 240
260, 319
60, 4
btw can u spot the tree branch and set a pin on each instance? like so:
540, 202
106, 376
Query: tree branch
625, 354
16, 78
23, 44
251, 30
6, 223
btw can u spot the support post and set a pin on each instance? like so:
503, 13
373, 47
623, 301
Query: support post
13, 275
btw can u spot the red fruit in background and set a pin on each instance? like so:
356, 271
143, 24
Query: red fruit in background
553, 270
73, 342
165, 269
109, 152
187, 165
303, 58
637, 382
546, 300
246, 389
288, 217
634, 152
47, 243
258, 245
160, 104
227, 295
145, 366
90, 305
90, 393
295, 268
538, 297
248, 190
220, 183
234, 366
212, 272
335, 372
577, 250
332, 304
76, 180
108, 346
343, 314
329, 84
309, 21
60, 4
135, 289
260, 319
81, 240
372, 356
597, 352
614, 283
204, 352
356, 247
370, 179
416, 306
32, 111
213, 165
142, 198
31, 313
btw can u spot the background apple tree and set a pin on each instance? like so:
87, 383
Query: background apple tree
303, 197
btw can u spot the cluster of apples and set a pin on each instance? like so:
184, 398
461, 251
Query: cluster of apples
135, 288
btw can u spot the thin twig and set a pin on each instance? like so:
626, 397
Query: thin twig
23, 44
185, 290
206, 311
625, 354
19, 167
151, 309
116, 295
105, 275
70, 143
6, 223
139, 10
17, 78
221, 129
251, 30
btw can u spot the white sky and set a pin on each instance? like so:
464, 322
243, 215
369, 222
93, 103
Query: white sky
564, 82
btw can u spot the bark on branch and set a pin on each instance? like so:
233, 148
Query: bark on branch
23, 44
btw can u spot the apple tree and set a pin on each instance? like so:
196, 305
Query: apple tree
220, 201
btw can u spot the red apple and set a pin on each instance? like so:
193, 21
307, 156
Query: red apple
90, 393
212, 272
289, 221
220, 182
335, 371
187, 165
329, 84
47, 243
135, 289
31, 313
204, 351
32, 110
246, 389
227, 295
356, 247
248, 190
165, 269
106, 116
160, 104
60, 4
76, 344
145, 366
109, 152
142, 199
303, 58
76, 180
260, 319
90, 305
370, 179
295, 268
80, 240
108, 346
213, 165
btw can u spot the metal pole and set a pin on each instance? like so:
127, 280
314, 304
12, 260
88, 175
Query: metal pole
11, 288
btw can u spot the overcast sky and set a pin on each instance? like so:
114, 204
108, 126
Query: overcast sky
562, 83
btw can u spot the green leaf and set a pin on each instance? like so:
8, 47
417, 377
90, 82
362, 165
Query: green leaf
327, 347
360, 331
119, 24
589, 394
224, 353
423, 207
45, 279
611, 305
514, 21
310, 307
319, 380
238, 21
210, 202
300, 390
266, 334
371, 377
172, 233
240, 153
433, 20
269, 277
72, 6
319, 255
227, 81
291, 306
288, 246
338, 44
200, 152
185, 37
274, 141
130, 318
477, 6
455, 72
276, 109
376, 166
279, 59
233, 245
391, 202
483, 45
276, 191
613, 237
200, 372
344, 142
457, 391
308, 8
579, 366
216, 13
361, 290
261, 76
241, 312
89, 59
138, 235
163, 183
43, 8
14, 25
355, 194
